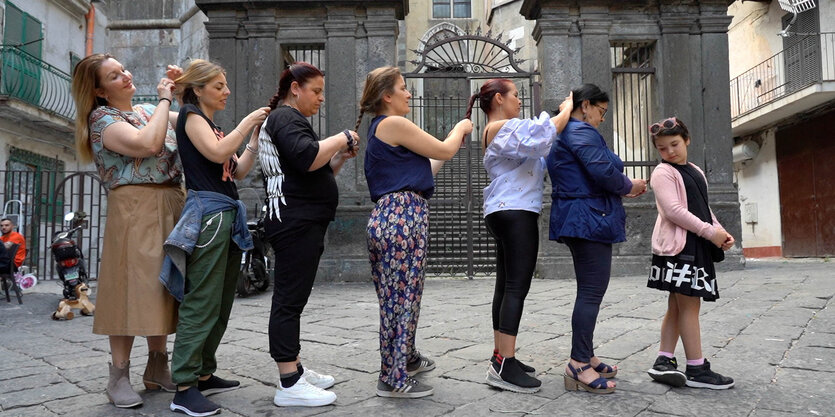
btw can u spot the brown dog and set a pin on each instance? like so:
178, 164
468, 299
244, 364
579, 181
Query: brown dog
65, 306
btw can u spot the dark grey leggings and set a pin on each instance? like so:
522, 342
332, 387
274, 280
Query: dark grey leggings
592, 267
517, 242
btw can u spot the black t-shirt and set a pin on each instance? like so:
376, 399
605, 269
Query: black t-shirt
310, 195
201, 173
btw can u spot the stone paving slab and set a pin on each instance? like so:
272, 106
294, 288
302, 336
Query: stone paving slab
773, 330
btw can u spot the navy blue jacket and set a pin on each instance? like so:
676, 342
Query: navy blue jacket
588, 182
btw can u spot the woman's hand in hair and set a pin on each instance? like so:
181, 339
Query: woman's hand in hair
173, 72
568, 103
165, 89
566, 107
464, 127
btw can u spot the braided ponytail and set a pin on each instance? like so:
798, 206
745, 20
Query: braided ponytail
473, 98
359, 120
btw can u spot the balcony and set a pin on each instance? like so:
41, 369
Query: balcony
796, 79
33, 90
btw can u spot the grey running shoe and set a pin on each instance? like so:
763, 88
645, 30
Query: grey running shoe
421, 364
411, 389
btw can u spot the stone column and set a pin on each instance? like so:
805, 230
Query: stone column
559, 56
596, 64
222, 27
718, 140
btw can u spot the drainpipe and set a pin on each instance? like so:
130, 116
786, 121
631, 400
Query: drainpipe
91, 22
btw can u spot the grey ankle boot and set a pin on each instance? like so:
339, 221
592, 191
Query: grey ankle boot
157, 373
119, 390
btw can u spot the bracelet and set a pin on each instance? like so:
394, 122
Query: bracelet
170, 103
347, 134
249, 148
239, 132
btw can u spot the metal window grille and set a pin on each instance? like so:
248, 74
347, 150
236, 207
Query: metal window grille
313, 54
633, 102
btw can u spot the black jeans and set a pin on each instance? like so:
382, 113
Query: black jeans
298, 246
592, 267
517, 242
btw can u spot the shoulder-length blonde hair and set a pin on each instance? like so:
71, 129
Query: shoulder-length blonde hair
198, 73
85, 81
379, 82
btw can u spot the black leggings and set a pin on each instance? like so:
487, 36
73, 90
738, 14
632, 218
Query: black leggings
592, 267
298, 245
517, 242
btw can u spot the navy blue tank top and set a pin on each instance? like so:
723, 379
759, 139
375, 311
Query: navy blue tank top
395, 168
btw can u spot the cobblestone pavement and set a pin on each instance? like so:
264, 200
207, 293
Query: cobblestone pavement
773, 330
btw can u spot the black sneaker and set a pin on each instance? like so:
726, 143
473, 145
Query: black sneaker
507, 375
665, 370
700, 376
193, 403
215, 385
530, 370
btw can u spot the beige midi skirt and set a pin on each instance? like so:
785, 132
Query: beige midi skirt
130, 300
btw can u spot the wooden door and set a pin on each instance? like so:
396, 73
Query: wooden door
806, 168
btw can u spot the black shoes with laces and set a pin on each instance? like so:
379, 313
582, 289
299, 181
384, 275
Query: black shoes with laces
665, 370
700, 376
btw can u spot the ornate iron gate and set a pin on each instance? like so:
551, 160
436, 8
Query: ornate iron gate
451, 68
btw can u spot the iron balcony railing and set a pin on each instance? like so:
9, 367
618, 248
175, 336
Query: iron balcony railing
29, 79
809, 60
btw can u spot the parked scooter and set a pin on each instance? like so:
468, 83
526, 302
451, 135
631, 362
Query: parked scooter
255, 263
72, 269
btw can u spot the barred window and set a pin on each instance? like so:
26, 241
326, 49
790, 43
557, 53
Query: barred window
633, 98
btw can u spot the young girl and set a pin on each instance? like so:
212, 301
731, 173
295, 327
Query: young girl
682, 262
514, 152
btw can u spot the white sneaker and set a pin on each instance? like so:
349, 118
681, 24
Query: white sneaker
318, 380
302, 394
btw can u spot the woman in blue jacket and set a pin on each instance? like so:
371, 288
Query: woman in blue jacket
588, 216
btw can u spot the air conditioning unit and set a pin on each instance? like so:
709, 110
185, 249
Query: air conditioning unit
797, 6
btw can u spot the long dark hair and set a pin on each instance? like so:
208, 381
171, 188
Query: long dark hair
300, 72
485, 95
589, 92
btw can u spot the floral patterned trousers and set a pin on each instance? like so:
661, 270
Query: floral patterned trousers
397, 239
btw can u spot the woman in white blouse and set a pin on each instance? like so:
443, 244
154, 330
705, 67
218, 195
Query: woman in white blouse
514, 151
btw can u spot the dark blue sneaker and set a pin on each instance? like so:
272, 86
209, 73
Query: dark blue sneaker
215, 385
193, 403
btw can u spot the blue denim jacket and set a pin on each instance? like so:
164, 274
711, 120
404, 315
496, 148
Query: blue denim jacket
183, 238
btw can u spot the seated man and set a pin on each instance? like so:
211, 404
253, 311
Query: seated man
9, 236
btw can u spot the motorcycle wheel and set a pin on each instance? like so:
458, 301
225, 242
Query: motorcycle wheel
244, 287
259, 274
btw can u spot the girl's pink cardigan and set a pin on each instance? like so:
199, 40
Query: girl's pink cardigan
673, 222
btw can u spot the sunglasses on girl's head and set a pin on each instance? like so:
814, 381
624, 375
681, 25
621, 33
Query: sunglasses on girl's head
664, 124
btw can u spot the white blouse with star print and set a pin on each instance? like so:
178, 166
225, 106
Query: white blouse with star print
515, 163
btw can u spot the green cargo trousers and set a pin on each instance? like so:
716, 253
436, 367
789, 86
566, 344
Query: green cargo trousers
211, 275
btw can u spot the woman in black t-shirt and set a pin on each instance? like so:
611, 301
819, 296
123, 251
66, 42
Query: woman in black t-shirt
210, 163
301, 200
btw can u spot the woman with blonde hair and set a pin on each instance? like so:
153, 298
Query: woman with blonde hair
400, 162
207, 243
135, 153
